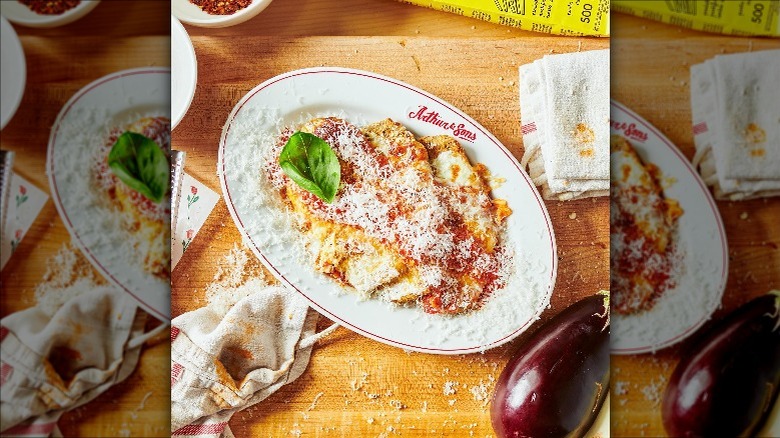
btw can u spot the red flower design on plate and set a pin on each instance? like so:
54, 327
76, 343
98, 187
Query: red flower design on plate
194, 190
22, 190
18, 234
190, 233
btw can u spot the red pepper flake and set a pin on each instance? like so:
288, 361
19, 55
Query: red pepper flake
50, 7
221, 7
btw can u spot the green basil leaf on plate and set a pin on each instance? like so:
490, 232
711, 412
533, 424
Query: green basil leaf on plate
141, 164
311, 163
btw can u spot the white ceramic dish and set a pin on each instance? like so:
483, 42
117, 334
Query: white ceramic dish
188, 13
364, 97
21, 14
13, 72
184, 72
81, 127
681, 310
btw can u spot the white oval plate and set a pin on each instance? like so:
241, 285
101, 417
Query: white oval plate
13, 72
184, 72
683, 309
21, 14
364, 97
82, 126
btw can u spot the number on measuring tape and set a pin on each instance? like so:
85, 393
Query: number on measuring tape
587, 9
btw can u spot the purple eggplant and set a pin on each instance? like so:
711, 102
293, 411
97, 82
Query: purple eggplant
727, 383
556, 382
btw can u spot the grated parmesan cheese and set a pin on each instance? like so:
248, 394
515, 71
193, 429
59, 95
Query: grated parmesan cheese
397, 404
450, 388
653, 390
393, 197
314, 402
238, 275
68, 275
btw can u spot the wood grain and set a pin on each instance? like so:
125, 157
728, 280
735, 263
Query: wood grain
60, 61
650, 75
478, 75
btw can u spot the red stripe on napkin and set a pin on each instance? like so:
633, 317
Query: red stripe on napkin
201, 429
176, 370
5, 372
31, 429
526, 129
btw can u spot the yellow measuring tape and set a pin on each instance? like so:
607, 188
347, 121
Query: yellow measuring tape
573, 17
733, 17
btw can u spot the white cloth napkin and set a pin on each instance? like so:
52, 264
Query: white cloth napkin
224, 363
52, 364
735, 103
196, 201
564, 105
24, 205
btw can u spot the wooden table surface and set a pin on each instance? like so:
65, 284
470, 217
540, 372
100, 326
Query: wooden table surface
650, 74
295, 34
60, 61
469, 63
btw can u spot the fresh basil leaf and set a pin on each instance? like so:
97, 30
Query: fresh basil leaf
131, 181
154, 168
141, 164
311, 163
303, 181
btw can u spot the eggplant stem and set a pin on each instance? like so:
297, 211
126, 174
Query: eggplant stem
767, 405
775, 315
605, 294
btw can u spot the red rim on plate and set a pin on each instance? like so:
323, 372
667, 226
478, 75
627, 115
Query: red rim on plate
221, 169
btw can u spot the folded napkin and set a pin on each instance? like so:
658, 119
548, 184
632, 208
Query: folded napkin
24, 204
54, 363
564, 105
735, 103
222, 363
196, 201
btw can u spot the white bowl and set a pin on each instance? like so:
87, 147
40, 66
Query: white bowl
21, 14
184, 72
13, 72
191, 14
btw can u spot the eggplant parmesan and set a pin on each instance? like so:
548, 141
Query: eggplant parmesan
413, 221
643, 229
146, 221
